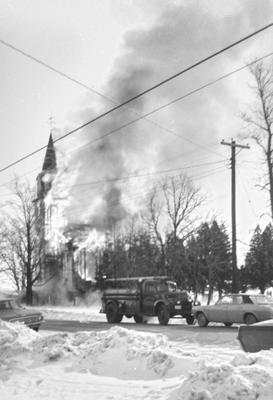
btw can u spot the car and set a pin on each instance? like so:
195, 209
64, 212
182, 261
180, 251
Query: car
10, 311
239, 308
256, 337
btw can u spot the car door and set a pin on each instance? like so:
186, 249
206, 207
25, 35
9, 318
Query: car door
236, 309
219, 311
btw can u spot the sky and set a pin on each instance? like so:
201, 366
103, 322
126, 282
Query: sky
117, 49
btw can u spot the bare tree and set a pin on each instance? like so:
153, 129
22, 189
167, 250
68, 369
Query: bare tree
20, 247
182, 200
154, 216
171, 211
260, 119
11, 265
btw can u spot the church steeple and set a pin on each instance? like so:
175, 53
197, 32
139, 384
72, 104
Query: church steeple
50, 156
49, 170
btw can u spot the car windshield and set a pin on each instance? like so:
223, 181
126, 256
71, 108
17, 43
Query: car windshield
262, 300
8, 305
14, 305
5, 305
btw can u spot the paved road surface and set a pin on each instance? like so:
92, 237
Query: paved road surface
211, 335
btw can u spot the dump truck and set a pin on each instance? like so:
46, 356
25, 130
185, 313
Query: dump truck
144, 297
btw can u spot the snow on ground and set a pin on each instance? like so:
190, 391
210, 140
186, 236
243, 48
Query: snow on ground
121, 364
88, 310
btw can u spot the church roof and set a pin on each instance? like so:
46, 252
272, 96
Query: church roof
50, 156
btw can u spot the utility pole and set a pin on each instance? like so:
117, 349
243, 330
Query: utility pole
233, 146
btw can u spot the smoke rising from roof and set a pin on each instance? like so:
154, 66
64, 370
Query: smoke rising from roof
186, 32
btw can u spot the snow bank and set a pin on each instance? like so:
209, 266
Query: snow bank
246, 377
125, 364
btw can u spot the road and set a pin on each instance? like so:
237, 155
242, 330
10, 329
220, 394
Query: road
211, 335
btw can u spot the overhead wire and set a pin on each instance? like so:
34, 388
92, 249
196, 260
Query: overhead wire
141, 193
138, 197
85, 187
133, 176
183, 71
170, 159
104, 96
248, 197
145, 115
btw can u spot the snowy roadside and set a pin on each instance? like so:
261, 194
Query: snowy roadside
123, 364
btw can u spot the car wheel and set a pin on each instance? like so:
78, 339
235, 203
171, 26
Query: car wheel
190, 319
202, 320
228, 323
163, 314
250, 319
112, 313
36, 328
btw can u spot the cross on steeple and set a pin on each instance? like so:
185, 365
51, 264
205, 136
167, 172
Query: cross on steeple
51, 122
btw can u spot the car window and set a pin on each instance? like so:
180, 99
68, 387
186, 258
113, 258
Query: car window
261, 299
225, 300
247, 300
237, 300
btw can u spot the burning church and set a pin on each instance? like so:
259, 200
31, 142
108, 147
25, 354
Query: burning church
67, 260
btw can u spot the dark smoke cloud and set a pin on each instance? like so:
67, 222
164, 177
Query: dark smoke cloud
183, 34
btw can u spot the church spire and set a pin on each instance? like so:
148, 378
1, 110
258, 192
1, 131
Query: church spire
50, 156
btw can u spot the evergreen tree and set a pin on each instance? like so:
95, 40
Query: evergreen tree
176, 266
258, 270
209, 255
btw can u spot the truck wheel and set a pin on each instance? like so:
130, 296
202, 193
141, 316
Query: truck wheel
139, 319
112, 313
190, 319
163, 315
119, 318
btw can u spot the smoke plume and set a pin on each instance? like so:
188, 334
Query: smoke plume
185, 33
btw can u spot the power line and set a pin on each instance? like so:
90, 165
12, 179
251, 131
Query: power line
167, 160
140, 194
147, 114
213, 55
152, 87
222, 77
125, 178
64, 75
248, 197
57, 71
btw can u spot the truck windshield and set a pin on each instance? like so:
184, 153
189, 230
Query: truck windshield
172, 287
